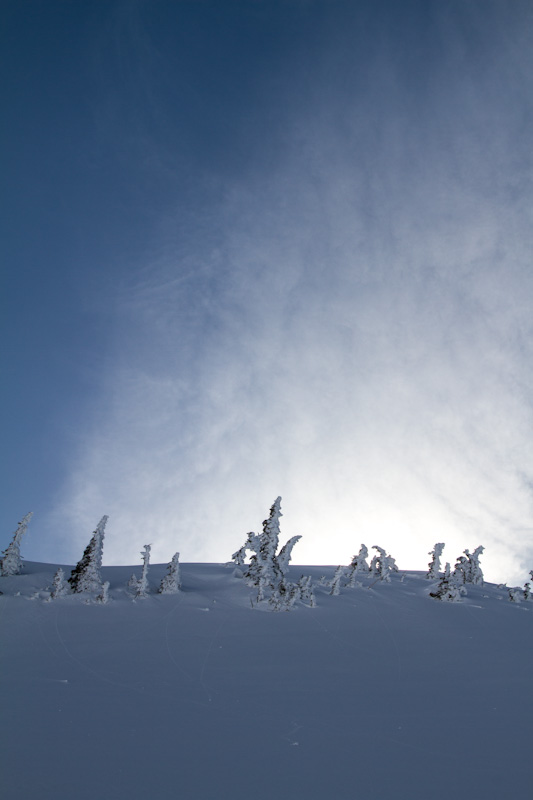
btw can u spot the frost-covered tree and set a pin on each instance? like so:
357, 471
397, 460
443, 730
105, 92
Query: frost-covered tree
382, 564
85, 577
268, 569
467, 568
460, 571
263, 567
140, 585
516, 595
305, 590
474, 573
11, 561
171, 583
357, 565
336, 581
447, 590
59, 585
434, 565
103, 597
283, 596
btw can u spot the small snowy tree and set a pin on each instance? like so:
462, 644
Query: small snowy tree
474, 573
59, 586
358, 565
11, 561
516, 595
460, 571
434, 564
171, 581
447, 590
103, 597
305, 590
140, 585
337, 580
85, 577
382, 564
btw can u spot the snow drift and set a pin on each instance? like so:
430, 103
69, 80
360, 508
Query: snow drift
377, 692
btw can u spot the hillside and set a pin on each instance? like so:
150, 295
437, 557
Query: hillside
377, 693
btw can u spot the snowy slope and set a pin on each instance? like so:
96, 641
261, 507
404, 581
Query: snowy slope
378, 693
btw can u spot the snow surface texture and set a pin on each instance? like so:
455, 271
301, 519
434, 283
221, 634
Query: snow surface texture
376, 693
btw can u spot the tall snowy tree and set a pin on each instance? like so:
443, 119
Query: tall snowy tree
474, 571
434, 565
85, 577
11, 561
140, 585
357, 565
171, 581
263, 567
267, 568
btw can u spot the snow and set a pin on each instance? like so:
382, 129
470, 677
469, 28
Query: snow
375, 693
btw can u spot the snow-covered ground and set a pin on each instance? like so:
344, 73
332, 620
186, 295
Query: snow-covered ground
377, 693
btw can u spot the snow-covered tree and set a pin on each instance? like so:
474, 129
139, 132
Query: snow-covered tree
382, 564
263, 567
283, 596
140, 585
103, 597
305, 589
11, 561
171, 581
85, 577
474, 571
59, 585
357, 565
336, 581
434, 565
460, 571
267, 569
467, 568
516, 595
447, 590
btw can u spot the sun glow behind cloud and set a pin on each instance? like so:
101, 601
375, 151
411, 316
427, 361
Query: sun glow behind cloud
348, 326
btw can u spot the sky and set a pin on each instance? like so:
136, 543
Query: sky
260, 248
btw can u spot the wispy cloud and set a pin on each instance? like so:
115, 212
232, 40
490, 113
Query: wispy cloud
348, 326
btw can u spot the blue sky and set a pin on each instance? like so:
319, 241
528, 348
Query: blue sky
263, 248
